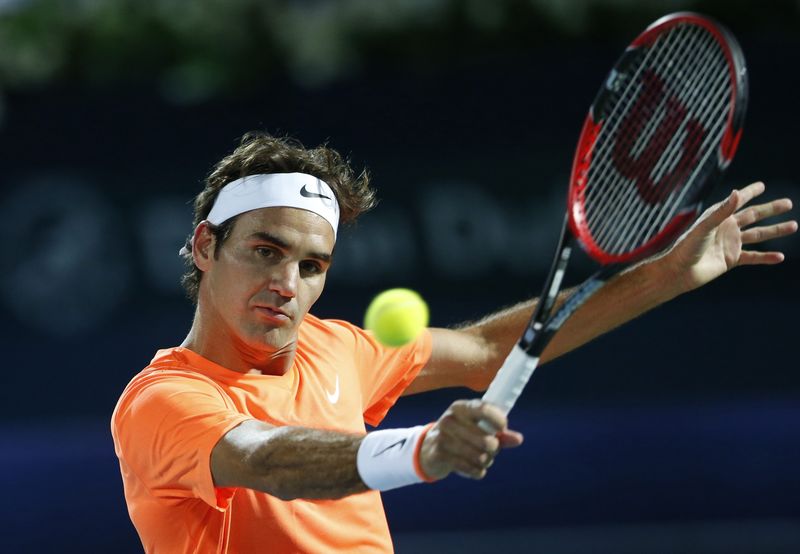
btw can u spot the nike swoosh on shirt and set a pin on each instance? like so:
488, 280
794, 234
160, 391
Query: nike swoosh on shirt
308, 194
333, 397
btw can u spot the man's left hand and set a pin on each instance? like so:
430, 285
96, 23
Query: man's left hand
714, 244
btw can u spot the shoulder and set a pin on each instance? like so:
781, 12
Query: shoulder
315, 329
316, 334
169, 379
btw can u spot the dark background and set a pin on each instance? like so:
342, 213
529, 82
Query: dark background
676, 433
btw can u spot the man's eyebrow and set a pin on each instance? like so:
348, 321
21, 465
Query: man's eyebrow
280, 243
266, 237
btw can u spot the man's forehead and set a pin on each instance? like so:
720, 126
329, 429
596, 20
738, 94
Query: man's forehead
285, 221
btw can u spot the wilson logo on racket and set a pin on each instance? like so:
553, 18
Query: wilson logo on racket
640, 167
661, 131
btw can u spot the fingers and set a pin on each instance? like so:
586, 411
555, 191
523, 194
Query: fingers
476, 411
466, 441
751, 257
749, 192
467, 460
717, 213
761, 234
510, 439
754, 214
720, 211
755, 235
457, 442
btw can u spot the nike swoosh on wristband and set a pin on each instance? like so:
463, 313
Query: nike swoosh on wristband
399, 443
308, 194
333, 397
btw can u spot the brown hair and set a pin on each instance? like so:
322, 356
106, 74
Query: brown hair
260, 153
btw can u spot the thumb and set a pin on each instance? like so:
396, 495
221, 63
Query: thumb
509, 439
722, 211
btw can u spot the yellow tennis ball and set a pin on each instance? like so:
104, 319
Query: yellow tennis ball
396, 316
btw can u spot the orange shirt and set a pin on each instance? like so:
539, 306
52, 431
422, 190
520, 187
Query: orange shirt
171, 415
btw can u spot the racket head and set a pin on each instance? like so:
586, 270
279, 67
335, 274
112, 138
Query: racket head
660, 133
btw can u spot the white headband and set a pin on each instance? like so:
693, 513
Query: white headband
290, 190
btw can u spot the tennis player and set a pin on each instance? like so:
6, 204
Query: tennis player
250, 436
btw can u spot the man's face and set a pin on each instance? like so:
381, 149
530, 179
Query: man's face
266, 276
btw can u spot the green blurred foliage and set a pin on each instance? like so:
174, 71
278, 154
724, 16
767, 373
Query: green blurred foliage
196, 50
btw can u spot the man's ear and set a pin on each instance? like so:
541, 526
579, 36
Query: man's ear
203, 243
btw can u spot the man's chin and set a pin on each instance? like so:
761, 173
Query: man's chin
276, 339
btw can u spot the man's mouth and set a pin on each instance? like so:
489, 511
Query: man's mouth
273, 313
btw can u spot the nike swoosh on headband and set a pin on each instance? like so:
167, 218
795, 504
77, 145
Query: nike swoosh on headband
308, 194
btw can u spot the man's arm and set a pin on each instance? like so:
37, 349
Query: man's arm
296, 462
470, 356
287, 462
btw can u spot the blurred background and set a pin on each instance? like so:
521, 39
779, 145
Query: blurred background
676, 433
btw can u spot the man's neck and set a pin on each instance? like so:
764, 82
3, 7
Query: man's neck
235, 354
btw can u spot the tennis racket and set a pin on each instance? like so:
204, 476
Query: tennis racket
660, 133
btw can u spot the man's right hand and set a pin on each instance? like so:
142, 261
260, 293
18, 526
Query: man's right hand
457, 443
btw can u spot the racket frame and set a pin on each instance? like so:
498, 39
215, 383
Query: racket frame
523, 359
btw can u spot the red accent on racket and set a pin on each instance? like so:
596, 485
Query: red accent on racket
658, 136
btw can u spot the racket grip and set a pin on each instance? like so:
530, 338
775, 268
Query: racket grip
509, 382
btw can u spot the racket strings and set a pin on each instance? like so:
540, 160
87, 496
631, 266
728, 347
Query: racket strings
667, 122
664, 124
666, 118
686, 152
677, 205
622, 104
612, 194
621, 195
651, 222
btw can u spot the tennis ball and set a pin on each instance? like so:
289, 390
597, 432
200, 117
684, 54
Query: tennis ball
396, 316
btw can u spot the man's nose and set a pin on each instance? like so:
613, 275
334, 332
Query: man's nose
284, 280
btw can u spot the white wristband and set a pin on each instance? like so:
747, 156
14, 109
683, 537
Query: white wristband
388, 459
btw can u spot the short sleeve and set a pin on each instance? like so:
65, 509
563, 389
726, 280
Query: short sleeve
386, 372
165, 428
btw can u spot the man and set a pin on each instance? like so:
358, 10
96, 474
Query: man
250, 436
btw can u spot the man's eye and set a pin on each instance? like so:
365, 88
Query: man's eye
310, 268
265, 252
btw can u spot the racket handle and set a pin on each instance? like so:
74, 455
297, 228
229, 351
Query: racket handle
509, 382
